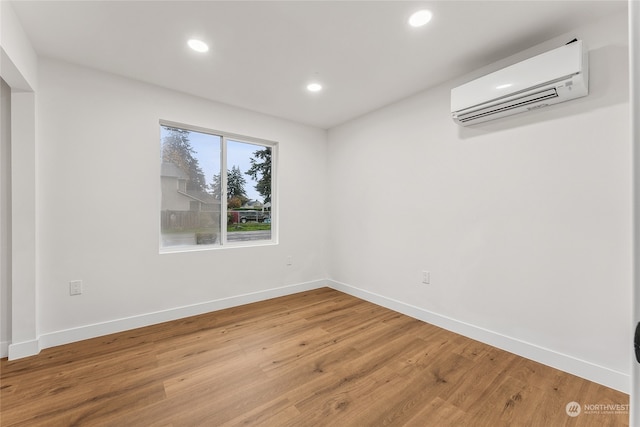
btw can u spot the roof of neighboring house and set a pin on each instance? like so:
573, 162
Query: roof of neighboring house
252, 203
200, 196
172, 170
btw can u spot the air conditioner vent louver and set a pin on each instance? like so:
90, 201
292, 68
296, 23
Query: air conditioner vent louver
555, 76
518, 102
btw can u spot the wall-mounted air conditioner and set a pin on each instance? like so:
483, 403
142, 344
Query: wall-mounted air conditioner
549, 78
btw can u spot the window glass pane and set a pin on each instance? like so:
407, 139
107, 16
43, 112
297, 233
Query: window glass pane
190, 174
248, 191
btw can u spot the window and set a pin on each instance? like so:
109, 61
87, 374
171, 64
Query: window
216, 189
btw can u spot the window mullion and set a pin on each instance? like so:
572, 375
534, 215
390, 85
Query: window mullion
223, 191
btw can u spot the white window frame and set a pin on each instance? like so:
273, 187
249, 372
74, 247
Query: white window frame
274, 214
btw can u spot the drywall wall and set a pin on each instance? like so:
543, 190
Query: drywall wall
18, 60
99, 206
5, 217
524, 223
18, 68
634, 82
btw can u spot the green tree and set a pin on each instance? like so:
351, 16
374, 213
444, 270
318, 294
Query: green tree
260, 171
177, 149
235, 185
216, 186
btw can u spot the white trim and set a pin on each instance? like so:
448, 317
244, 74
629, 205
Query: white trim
634, 128
582, 368
67, 336
224, 186
233, 136
4, 349
23, 349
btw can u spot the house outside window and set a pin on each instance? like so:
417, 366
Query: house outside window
217, 189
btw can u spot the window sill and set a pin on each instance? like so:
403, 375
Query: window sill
201, 248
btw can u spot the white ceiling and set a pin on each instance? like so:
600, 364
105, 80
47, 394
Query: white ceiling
263, 53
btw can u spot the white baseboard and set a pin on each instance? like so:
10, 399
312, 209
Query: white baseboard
23, 349
592, 372
67, 336
599, 374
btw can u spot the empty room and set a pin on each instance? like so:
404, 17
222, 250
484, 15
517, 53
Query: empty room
307, 213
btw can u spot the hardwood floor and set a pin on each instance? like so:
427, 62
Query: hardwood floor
319, 358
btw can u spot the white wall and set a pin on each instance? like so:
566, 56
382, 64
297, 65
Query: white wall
524, 223
99, 207
5, 217
18, 68
18, 60
634, 82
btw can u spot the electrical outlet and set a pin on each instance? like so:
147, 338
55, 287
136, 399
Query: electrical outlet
289, 260
426, 277
75, 287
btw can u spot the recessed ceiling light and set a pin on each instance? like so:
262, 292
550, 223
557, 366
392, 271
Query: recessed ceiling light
420, 18
504, 86
198, 45
314, 87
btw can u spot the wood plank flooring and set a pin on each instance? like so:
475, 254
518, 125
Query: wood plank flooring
319, 358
